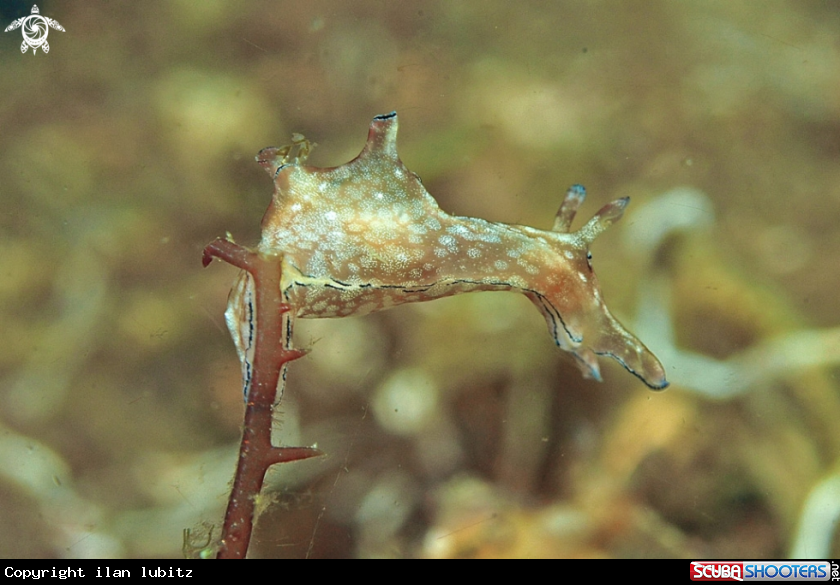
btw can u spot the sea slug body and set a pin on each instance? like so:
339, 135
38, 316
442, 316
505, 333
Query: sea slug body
367, 236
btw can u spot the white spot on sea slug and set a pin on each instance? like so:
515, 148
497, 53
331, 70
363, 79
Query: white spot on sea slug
459, 230
366, 308
331, 215
500, 265
450, 242
473, 252
569, 255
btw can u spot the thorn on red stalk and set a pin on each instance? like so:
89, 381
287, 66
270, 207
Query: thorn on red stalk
206, 258
287, 454
230, 252
290, 355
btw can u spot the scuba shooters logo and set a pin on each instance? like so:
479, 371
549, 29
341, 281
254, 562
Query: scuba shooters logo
35, 29
763, 571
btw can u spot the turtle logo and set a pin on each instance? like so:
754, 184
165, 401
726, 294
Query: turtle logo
35, 28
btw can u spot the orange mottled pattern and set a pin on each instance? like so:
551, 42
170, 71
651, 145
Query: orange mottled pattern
367, 236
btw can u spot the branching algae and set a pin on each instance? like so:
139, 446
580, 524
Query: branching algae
367, 236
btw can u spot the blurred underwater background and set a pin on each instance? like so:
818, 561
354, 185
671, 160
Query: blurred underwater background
454, 428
